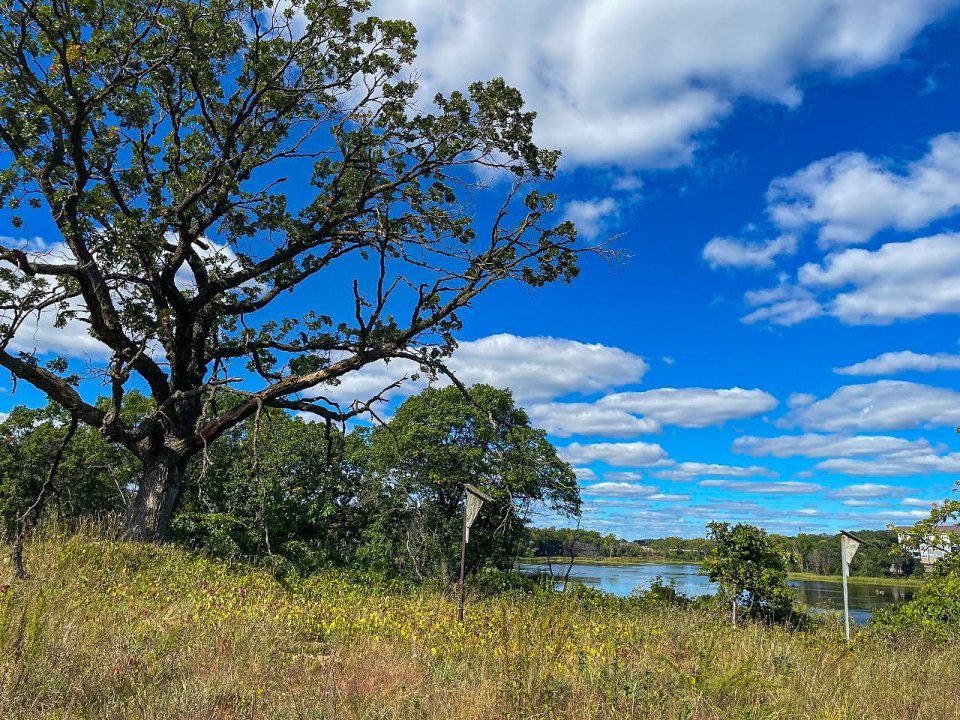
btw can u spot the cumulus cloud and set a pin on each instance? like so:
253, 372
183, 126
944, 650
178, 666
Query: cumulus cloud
567, 419
692, 470
731, 252
622, 475
692, 407
891, 363
634, 83
785, 487
868, 490
630, 454
901, 464
785, 304
534, 368
918, 502
882, 405
630, 490
39, 333
899, 280
813, 445
591, 216
850, 197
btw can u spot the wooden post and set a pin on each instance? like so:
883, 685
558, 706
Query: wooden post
848, 548
471, 508
463, 568
844, 571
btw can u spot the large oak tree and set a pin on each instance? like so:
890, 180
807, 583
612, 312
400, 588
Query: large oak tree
163, 137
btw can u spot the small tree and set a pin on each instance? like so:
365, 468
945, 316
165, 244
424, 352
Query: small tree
751, 570
440, 440
50, 464
198, 160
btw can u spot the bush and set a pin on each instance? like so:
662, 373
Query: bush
660, 594
933, 612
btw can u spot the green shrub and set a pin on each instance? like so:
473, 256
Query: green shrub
934, 610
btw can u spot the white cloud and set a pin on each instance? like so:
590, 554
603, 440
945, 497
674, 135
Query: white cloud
850, 197
622, 475
865, 503
631, 454
591, 216
797, 399
630, 490
897, 281
918, 502
634, 83
825, 446
692, 407
731, 252
882, 405
583, 473
567, 419
869, 490
545, 367
534, 368
4, 416
890, 363
692, 470
902, 464
39, 333
785, 304
786, 487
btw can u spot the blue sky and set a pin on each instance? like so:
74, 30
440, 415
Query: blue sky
779, 344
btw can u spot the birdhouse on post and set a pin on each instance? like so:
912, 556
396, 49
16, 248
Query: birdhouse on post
475, 500
849, 544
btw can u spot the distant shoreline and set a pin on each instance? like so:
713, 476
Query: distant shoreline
614, 561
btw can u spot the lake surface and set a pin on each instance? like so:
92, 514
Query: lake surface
824, 594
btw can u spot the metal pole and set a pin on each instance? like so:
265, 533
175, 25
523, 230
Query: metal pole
463, 567
846, 601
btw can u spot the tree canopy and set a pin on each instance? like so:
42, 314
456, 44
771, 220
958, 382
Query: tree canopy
751, 569
440, 440
162, 140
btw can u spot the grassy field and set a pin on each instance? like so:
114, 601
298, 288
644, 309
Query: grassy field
104, 629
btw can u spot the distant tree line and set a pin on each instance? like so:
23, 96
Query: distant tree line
808, 553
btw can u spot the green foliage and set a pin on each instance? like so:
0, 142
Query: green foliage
162, 140
437, 442
751, 569
660, 594
113, 630
91, 478
934, 610
277, 485
820, 554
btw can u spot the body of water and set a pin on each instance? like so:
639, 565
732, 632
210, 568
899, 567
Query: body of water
825, 594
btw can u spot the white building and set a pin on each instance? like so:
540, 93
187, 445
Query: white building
944, 539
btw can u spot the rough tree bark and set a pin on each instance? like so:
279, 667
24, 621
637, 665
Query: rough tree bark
158, 495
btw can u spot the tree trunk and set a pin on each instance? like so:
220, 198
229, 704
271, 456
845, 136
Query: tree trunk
160, 486
19, 569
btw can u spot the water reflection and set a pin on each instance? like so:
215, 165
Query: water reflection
824, 594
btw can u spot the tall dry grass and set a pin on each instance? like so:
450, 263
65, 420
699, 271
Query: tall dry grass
104, 629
